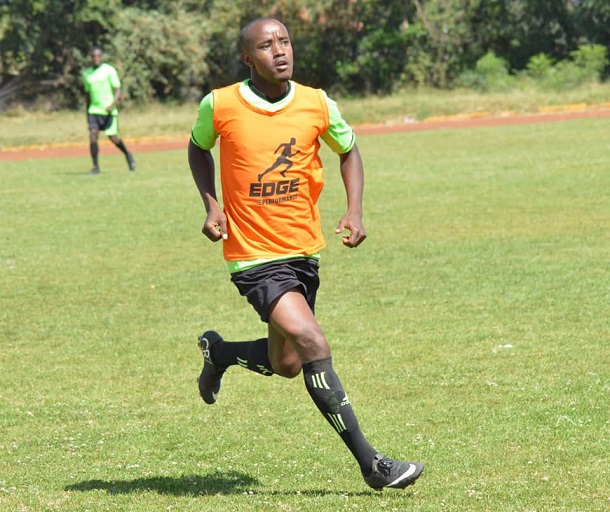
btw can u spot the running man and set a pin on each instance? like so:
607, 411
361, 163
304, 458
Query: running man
271, 230
103, 94
283, 159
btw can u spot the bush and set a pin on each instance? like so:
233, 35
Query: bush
539, 66
592, 59
586, 65
160, 56
490, 75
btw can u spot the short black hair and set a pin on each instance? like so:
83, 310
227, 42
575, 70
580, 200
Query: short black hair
243, 33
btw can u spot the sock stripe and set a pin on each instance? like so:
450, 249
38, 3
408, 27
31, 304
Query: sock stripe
263, 370
325, 389
319, 381
323, 379
337, 422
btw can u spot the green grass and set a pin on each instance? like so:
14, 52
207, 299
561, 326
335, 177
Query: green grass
471, 331
23, 128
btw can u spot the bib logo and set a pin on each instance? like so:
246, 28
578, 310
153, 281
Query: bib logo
272, 192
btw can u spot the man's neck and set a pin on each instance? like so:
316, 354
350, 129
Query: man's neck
270, 99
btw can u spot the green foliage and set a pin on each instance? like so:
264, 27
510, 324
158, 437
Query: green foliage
45, 41
161, 55
540, 66
336, 30
494, 71
369, 40
417, 61
585, 65
491, 74
592, 21
378, 63
225, 20
355, 47
592, 59
447, 26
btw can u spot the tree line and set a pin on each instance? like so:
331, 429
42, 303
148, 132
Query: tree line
177, 50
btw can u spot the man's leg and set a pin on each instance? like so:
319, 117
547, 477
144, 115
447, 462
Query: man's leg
118, 142
219, 354
252, 355
94, 149
256, 356
284, 359
296, 341
292, 318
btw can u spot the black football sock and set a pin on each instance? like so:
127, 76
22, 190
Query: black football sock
121, 146
252, 355
326, 391
95, 150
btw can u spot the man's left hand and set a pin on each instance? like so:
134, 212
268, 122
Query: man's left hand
357, 233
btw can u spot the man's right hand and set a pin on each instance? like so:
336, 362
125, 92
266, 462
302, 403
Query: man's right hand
215, 227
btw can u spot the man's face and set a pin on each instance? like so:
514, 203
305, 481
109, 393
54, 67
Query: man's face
96, 57
268, 52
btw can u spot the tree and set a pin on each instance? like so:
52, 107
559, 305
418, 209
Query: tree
161, 55
45, 41
180, 49
592, 20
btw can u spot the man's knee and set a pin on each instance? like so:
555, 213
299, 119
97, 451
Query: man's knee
312, 344
288, 370
285, 363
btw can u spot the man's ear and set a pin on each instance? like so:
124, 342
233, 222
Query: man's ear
245, 58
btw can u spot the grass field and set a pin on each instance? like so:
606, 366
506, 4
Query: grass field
23, 128
471, 331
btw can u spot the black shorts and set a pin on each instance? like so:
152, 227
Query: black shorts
264, 284
103, 123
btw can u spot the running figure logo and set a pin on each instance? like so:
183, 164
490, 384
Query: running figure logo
283, 158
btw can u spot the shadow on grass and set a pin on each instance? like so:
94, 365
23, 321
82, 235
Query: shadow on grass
231, 482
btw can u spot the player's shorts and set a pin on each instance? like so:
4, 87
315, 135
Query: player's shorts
264, 284
109, 124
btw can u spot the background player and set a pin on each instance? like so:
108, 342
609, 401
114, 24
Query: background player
103, 94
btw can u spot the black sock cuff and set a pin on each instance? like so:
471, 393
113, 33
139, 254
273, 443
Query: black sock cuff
317, 365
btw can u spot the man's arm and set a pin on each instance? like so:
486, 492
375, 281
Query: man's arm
352, 172
203, 169
117, 99
87, 103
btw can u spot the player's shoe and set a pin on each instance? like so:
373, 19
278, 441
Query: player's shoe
131, 162
95, 170
390, 473
211, 374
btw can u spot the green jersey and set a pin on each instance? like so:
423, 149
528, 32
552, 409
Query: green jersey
100, 84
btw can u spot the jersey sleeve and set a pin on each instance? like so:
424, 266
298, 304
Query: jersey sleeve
340, 136
203, 133
115, 81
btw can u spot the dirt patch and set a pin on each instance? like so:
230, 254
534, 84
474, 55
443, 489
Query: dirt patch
181, 141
